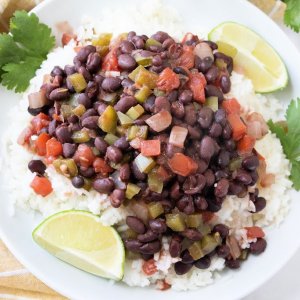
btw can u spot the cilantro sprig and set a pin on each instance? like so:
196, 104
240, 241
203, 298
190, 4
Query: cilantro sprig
23, 50
292, 14
289, 135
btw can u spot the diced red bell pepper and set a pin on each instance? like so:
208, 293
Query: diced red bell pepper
182, 165
84, 156
110, 61
40, 143
39, 122
231, 106
255, 232
238, 127
101, 166
41, 185
197, 83
54, 147
186, 59
150, 147
168, 80
67, 37
149, 267
246, 144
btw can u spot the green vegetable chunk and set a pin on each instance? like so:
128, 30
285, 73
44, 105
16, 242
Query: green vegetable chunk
108, 120
124, 120
175, 221
144, 163
78, 82
135, 112
194, 220
196, 251
131, 190
212, 102
142, 94
210, 242
155, 209
80, 136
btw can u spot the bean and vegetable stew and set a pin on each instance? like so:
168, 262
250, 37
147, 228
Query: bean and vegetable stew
144, 120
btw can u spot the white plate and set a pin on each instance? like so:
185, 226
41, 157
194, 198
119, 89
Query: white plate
282, 241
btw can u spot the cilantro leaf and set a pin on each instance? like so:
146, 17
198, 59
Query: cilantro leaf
290, 139
23, 50
17, 75
292, 14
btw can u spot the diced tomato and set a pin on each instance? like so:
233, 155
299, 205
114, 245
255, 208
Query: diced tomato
238, 127
101, 166
150, 147
162, 285
84, 156
67, 37
197, 83
39, 122
163, 174
53, 147
254, 232
186, 59
246, 144
41, 185
40, 143
149, 267
231, 106
182, 165
168, 80
187, 37
110, 61
207, 216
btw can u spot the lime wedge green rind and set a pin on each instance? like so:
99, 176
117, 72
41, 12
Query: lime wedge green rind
79, 238
251, 53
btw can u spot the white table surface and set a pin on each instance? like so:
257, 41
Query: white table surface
285, 284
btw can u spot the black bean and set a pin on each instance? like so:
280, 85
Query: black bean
151, 247
73, 119
69, 150
227, 59
221, 174
137, 173
37, 166
114, 154
125, 172
212, 45
175, 191
69, 70
52, 127
260, 203
222, 187
258, 247
130, 35
203, 263
90, 122
220, 116
85, 73
63, 134
205, 117
101, 145
215, 130
186, 97
103, 185
186, 205
233, 263
160, 36
126, 62
212, 74
126, 47
158, 225
222, 229
223, 158
101, 107
171, 150
36, 111
136, 224
180, 70
138, 42
175, 246
213, 205
77, 63
195, 132
181, 268
141, 120
250, 163
190, 115
77, 182
227, 132
167, 43
57, 71
207, 148
92, 89
254, 176
161, 103
200, 203
117, 197
211, 90
204, 64
172, 96
230, 145
194, 184
122, 143
87, 172
192, 234
243, 177
125, 103
223, 251
209, 177
225, 84
133, 245
186, 257
111, 84
59, 94
148, 236
84, 100
84, 53
236, 188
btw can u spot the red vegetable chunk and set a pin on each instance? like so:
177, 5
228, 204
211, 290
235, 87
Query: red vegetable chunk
182, 165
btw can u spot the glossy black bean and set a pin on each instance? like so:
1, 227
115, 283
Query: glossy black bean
186, 257
203, 263
84, 52
35, 111
127, 83
137, 173
73, 119
59, 94
230, 145
204, 64
103, 185
160, 36
158, 225
101, 145
260, 203
235, 188
221, 188
223, 158
77, 182
168, 43
126, 47
225, 84
69, 150
227, 132
219, 174
175, 246
192, 234
87, 172
84, 100
194, 184
233, 264
200, 203
138, 42
57, 71
133, 245
207, 148
223, 251
209, 177
212, 45
63, 134
161, 103
117, 197
37, 166
126, 62
171, 150
111, 84
250, 162
212, 90
130, 35
190, 116
125, 103
222, 229
141, 120
220, 116
100, 107
227, 59
258, 247
114, 154
136, 224
172, 96
181, 268
69, 70
186, 96
205, 117
151, 247
175, 192
212, 74
90, 122
125, 172
92, 89
186, 205
157, 61
148, 236
213, 206
243, 177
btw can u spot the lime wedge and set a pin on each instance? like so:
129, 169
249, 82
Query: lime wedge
251, 54
78, 238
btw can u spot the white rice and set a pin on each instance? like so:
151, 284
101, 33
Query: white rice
235, 212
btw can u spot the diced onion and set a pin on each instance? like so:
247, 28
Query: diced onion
178, 136
160, 121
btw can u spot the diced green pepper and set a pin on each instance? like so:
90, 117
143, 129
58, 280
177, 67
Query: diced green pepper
108, 120
121, 130
235, 164
194, 220
143, 61
135, 112
210, 242
152, 42
158, 93
256, 217
102, 50
144, 163
175, 221
131, 190
79, 110
124, 120
110, 139
155, 209
135, 72
136, 131
103, 40
142, 94
221, 64
87, 184
80, 136
66, 167
212, 102
195, 250
78, 82
154, 182
244, 254
204, 229
66, 110
142, 76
